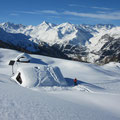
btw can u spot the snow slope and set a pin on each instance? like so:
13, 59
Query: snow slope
96, 97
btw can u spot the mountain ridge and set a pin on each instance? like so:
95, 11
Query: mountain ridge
80, 42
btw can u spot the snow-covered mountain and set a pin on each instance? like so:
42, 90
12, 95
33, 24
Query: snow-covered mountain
52, 34
105, 46
80, 42
17, 40
11, 36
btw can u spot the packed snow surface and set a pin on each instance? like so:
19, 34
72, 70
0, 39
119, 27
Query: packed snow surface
96, 97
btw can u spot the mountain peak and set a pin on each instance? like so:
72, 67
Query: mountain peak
45, 22
66, 23
109, 26
9, 25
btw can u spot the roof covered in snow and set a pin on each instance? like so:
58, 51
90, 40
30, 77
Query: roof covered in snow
25, 55
42, 75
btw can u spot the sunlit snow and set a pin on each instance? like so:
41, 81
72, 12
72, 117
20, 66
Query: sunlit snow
96, 97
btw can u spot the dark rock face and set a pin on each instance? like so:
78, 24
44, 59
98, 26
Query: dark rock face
110, 52
51, 51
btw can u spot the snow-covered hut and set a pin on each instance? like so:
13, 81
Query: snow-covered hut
36, 76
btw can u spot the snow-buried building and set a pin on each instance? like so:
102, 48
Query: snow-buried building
32, 73
23, 57
40, 75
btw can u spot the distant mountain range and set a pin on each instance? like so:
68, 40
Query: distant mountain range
89, 43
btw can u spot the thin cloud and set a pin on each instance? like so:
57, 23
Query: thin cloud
14, 14
40, 12
101, 8
54, 17
108, 16
101, 12
98, 15
72, 5
76, 5
49, 11
93, 7
28, 12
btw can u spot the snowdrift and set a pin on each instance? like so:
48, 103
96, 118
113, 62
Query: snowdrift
36, 76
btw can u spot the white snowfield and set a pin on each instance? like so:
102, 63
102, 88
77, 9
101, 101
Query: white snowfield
96, 97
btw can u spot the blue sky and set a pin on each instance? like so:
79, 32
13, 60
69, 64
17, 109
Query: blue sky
33, 12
